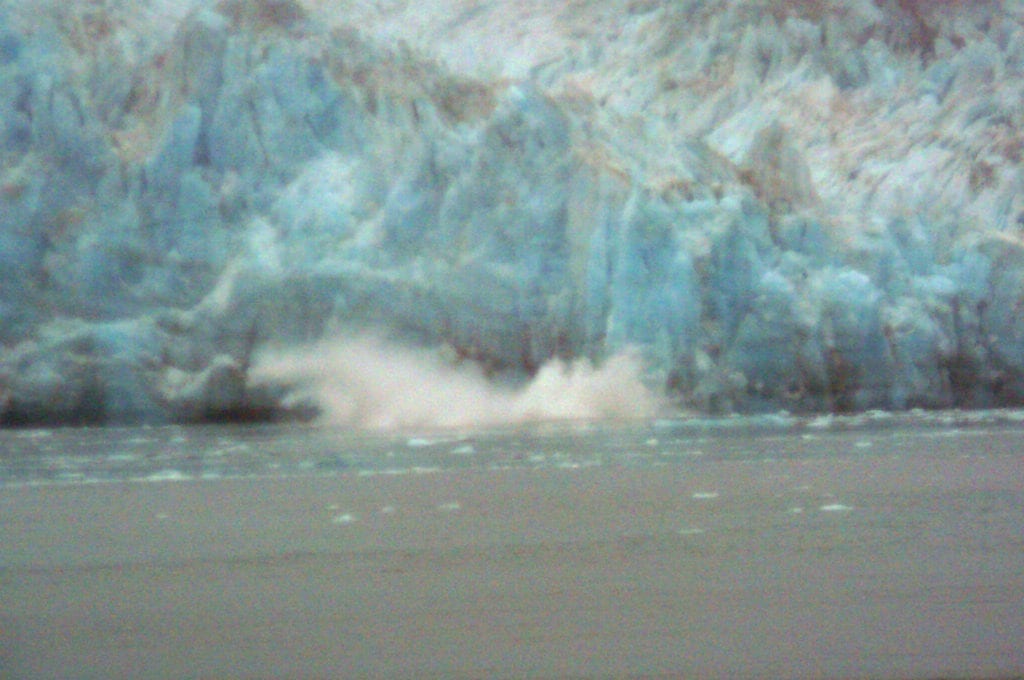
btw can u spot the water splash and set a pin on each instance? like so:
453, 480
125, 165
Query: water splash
367, 382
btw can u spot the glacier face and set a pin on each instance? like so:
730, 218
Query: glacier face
780, 206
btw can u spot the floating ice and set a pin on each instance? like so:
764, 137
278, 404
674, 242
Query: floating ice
822, 422
121, 458
453, 506
705, 495
835, 507
168, 475
34, 434
690, 531
344, 518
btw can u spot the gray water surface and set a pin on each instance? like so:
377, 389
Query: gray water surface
168, 453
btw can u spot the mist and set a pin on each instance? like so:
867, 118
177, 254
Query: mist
370, 383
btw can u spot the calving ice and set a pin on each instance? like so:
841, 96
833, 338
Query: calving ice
368, 382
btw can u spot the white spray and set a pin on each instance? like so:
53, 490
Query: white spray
366, 382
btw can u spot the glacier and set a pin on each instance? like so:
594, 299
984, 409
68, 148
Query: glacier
807, 206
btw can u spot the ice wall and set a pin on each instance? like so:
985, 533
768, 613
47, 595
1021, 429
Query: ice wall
802, 206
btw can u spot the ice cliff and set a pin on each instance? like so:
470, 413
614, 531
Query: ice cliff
811, 205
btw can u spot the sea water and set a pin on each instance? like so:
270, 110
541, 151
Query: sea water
181, 548
174, 453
